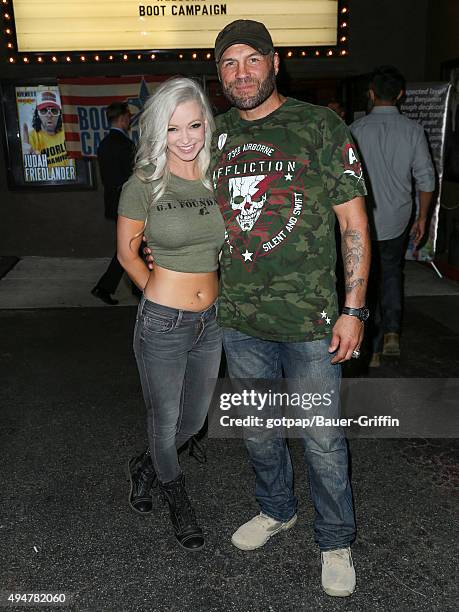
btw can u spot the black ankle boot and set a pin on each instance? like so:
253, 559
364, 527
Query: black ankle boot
143, 478
187, 531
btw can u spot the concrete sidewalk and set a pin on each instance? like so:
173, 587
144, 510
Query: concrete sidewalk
58, 282
53, 282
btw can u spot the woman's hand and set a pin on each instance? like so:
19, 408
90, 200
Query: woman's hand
147, 255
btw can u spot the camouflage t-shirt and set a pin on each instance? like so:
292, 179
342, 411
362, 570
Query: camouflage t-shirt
276, 180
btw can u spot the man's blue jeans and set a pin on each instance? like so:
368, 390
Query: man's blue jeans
178, 356
325, 447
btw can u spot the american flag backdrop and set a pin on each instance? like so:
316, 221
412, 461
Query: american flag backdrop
84, 101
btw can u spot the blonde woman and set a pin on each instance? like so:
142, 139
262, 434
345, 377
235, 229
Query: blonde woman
177, 342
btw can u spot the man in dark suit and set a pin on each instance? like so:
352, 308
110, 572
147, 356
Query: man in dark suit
116, 158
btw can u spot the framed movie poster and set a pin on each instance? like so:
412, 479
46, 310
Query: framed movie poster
35, 140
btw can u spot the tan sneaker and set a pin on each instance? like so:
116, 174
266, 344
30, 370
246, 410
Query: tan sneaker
391, 346
375, 361
256, 532
338, 573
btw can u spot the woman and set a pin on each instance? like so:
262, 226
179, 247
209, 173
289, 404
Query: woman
177, 342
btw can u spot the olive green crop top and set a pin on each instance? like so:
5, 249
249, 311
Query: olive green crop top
184, 228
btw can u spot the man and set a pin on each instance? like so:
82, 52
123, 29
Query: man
337, 107
281, 168
116, 158
47, 136
394, 151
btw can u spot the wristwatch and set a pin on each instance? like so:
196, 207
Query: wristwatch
361, 313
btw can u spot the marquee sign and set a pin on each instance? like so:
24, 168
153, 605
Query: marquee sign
58, 26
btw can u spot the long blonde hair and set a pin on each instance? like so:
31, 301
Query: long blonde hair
154, 123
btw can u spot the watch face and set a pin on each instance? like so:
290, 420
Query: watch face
364, 314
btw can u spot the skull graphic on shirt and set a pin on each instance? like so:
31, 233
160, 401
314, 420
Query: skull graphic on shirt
248, 198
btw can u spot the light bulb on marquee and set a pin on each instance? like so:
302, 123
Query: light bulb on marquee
54, 58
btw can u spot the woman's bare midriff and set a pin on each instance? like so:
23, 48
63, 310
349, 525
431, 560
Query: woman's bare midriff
182, 290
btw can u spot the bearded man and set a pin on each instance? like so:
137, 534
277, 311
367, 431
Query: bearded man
282, 170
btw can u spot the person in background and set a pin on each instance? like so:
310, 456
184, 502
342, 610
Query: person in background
337, 107
115, 156
177, 341
394, 152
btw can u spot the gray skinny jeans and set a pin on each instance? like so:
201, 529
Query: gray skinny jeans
178, 355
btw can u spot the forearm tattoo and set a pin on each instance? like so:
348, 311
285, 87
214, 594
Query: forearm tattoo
352, 249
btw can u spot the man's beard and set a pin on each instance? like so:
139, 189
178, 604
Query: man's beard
265, 89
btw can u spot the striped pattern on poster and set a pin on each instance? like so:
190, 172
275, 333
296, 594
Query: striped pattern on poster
84, 101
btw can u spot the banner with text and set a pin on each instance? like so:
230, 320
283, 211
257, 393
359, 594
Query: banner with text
427, 103
76, 25
84, 101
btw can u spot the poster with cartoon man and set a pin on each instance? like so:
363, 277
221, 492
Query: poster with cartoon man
42, 136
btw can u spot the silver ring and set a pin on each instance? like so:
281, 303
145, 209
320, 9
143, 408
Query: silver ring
355, 354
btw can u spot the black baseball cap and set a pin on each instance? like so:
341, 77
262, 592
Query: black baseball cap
245, 32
